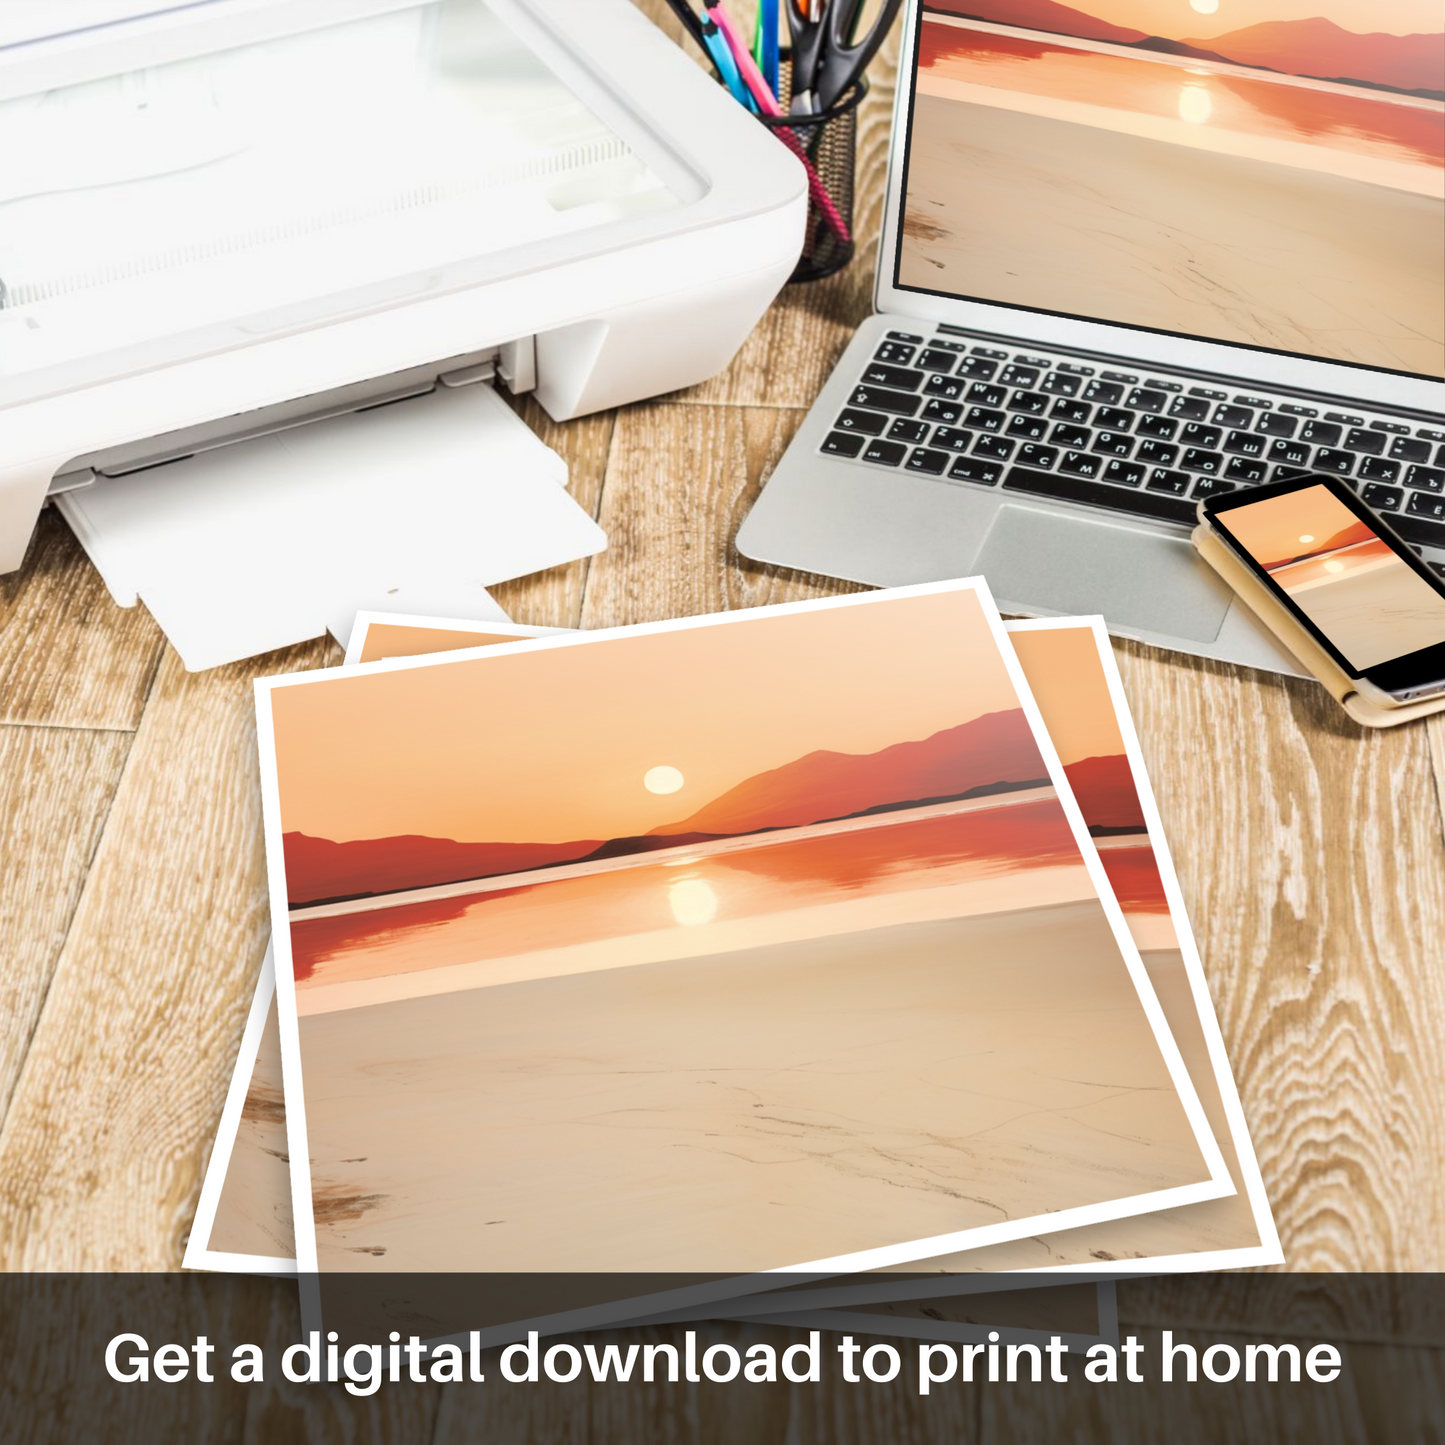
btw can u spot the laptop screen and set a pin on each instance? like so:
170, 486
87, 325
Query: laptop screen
1262, 172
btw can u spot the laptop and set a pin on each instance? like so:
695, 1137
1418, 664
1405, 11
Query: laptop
1121, 270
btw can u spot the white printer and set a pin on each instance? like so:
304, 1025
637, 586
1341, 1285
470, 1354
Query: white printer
226, 219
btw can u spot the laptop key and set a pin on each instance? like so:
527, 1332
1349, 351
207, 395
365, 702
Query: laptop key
1189, 408
1077, 411
1161, 427
1163, 480
905, 379
1330, 459
905, 429
843, 444
1422, 504
1290, 474
949, 387
1043, 457
924, 459
1124, 474
1015, 375
895, 353
1081, 464
1372, 443
1272, 424
877, 398
1113, 444
1426, 479
1107, 392
1419, 529
1199, 460
1322, 433
1144, 398
1195, 435
1156, 454
1377, 469
1236, 416
1060, 383
905, 336
1245, 469
1030, 427
867, 422
1074, 488
936, 409
977, 368
996, 447
1292, 454
971, 469
1070, 436
982, 419
1382, 498
1245, 443
886, 454
1113, 418
1210, 487
1407, 449
1035, 403
953, 438
985, 395
935, 360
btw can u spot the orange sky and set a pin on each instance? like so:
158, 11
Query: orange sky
1068, 683
1177, 18
1278, 527
551, 746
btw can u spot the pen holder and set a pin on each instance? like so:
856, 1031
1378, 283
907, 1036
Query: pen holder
827, 143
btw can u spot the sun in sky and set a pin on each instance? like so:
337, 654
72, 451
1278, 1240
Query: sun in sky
662, 780
1204, 7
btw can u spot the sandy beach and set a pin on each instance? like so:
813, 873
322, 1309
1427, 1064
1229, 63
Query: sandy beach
744, 1111
253, 1214
1034, 210
1373, 612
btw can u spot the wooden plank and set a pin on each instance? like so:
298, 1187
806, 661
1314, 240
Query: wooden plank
102, 1149
1311, 857
679, 481
554, 598
56, 786
69, 657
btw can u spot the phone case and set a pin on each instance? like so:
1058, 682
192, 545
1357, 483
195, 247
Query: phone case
1311, 655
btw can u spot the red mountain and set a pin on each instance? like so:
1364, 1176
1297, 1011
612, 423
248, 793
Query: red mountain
317, 868
1322, 49
1040, 15
995, 748
1105, 791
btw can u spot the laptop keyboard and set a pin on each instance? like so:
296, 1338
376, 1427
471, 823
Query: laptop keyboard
1053, 426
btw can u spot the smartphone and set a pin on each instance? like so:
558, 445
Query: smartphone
1338, 569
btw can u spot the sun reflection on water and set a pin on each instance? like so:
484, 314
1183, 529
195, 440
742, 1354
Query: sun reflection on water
692, 901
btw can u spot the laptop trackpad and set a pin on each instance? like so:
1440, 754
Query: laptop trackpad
1038, 559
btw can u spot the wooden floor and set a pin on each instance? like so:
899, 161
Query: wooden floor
133, 907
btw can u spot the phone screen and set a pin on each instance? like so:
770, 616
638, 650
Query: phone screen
1370, 604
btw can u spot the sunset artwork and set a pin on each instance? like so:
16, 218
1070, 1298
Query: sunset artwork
1261, 171
1341, 574
784, 942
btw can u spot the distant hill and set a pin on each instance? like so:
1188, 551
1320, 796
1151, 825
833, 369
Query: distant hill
1104, 788
1350, 536
1324, 50
996, 748
1039, 15
992, 754
318, 870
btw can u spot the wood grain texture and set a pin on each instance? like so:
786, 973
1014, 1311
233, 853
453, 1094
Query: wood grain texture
110, 1121
1311, 858
69, 657
56, 786
680, 479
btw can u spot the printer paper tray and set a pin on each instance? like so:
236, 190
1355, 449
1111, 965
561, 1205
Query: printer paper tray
416, 506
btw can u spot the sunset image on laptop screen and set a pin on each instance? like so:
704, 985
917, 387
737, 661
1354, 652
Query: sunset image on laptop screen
1341, 574
1266, 172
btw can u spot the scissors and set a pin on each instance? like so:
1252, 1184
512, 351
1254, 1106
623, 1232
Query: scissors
828, 56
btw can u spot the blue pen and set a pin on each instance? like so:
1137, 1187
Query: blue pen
727, 67
768, 28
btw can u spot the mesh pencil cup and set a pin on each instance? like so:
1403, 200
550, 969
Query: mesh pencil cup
827, 144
